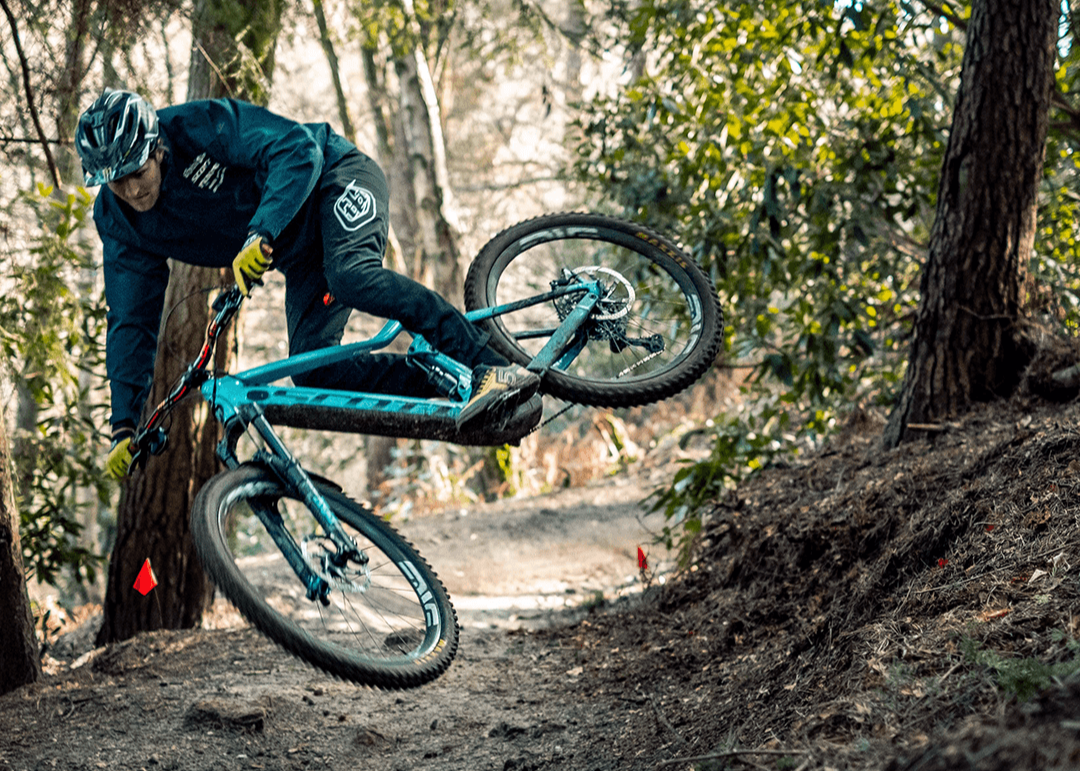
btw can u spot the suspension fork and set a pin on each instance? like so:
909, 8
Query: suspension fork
299, 483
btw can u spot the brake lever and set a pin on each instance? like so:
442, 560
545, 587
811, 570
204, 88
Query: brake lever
148, 443
230, 297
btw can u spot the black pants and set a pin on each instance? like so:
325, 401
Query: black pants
353, 206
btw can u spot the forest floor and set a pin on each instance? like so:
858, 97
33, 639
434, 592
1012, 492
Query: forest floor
857, 609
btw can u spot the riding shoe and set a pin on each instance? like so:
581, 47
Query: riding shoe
497, 392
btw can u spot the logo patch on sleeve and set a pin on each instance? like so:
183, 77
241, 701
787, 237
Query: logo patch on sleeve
355, 207
206, 173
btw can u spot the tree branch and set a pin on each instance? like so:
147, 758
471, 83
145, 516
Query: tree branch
25, 66
29, 141
1072, 125
955, 20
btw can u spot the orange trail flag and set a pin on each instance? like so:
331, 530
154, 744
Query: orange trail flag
146, 580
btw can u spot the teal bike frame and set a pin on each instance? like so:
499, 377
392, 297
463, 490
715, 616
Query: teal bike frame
245, 399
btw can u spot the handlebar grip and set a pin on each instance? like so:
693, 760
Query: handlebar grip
138, 460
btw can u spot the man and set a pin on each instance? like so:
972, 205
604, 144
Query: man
223, 182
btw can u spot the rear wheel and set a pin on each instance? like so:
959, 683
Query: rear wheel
655, 331
387, 622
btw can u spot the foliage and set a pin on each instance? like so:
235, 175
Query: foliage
425, 473
482, 29
50, 331
796, 149
1054, 267
1020, 677
742, 444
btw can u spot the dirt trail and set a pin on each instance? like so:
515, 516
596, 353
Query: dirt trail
227, 698
854, 610
526, 563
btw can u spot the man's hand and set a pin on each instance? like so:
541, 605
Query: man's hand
252, 261
119, 460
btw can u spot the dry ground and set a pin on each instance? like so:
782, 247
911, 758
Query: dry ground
902, 610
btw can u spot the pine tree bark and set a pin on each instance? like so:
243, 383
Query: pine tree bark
19, 661
152, 521
967, 346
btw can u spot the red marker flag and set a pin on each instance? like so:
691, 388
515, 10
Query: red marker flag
642, 562
146, 580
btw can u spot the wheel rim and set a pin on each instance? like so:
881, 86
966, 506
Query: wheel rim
659, 302
375, 611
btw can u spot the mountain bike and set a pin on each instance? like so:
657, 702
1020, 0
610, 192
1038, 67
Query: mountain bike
608, 313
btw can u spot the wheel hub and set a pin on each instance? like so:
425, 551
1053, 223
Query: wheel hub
339, 571
608, 320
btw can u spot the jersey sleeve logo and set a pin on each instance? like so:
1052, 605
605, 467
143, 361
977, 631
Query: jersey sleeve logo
205, 173
355, 207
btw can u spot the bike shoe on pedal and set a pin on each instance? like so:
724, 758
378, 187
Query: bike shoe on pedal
497, 392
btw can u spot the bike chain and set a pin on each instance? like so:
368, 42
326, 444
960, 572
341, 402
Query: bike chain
626, 371
543, 423
637, 364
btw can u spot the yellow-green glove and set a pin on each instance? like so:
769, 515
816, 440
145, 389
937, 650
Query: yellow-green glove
252, 261
119, 460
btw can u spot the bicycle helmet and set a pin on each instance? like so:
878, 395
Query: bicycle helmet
115, 136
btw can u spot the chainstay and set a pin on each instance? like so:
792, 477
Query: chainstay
570, 405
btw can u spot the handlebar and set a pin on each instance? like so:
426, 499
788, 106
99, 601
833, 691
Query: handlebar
152, 438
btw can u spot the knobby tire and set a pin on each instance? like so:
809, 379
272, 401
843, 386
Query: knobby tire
607, 373
388, 658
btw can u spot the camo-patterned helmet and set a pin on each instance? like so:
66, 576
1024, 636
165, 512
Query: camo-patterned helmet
115, 136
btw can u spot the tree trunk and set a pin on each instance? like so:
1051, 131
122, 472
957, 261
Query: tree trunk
379, 449
376, 92
966, 346
420, 157
19, 662
335, 72
233, 45
69, 90
383, 153
152, 521
418, 249
574, 30
402, 209
424, 153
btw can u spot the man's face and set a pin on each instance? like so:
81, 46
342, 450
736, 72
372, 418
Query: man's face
141, 188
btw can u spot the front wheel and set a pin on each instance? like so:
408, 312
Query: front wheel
386, 623
654, 332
